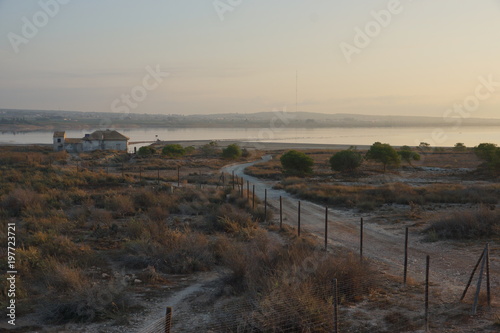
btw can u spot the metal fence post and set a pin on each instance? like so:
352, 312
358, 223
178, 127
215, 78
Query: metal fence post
168, 319
427, 293
361, 239
298, 220
326, 227
265, 205
406, 257
335, 307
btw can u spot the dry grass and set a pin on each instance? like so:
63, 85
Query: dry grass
482, 222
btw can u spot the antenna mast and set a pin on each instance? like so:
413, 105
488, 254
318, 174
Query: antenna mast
296, 88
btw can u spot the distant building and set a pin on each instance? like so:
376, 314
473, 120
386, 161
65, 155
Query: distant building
98, 140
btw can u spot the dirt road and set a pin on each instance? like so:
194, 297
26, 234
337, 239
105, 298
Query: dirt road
451, 262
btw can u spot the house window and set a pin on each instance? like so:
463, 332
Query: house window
58, 140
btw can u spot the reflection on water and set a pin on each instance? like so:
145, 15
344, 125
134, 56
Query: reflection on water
411, 136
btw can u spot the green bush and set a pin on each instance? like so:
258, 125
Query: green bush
296, 163
346, 160
173, 150
146, 151
407, 155
233, 151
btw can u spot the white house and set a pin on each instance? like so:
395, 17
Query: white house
98, 140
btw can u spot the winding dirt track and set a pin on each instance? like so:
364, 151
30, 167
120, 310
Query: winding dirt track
451, 262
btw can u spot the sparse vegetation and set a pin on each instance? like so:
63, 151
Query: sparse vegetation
407, 155
173, 150
233, 151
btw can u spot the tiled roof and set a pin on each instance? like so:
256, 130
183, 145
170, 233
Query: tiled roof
107, 135
59, 134
72, 140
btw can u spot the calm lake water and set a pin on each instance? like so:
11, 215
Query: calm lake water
411, 136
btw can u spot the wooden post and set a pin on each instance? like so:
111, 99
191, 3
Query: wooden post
326, 228
158, 177
168, 319
253, 196
242, 187
298, 220
472, 276
405, 273
233, 180
361, 240
427, 293
178, 176
281, 212
488, 285
478, 288
77, 166
265, 205
335, 307
248, 190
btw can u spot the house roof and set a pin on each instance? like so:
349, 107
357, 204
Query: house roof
59, 134
72, 140
107, 135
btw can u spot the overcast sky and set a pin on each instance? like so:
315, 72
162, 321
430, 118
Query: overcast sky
421, 57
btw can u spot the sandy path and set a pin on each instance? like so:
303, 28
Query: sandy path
451, 262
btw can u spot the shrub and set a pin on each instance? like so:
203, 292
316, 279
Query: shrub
296, 163
210, 148
346, 160
383, 153
470, 224
490, 153
407, 155
459, 147
173, 150
146, 151
233, 151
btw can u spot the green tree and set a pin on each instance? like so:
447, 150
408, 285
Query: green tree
407, 155
459, 147
146, 151
383, 153
490, 153
173, 150
232, 151
296, 163
346, 160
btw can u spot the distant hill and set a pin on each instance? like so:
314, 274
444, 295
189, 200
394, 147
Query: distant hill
31, 120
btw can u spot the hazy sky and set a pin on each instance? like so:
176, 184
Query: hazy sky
420, 58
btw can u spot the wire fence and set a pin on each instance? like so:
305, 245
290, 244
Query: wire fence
407, 304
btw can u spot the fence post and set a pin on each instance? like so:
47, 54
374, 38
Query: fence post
488, 285
253, 196
233, 180
248, 190
265, 205
326, 227
406, 257
361, 240
123, 174
472, 276
168, 319
479, 280
298, 220
158, 178
140, 174
178, 176
281, 212
335, 307
427, 293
